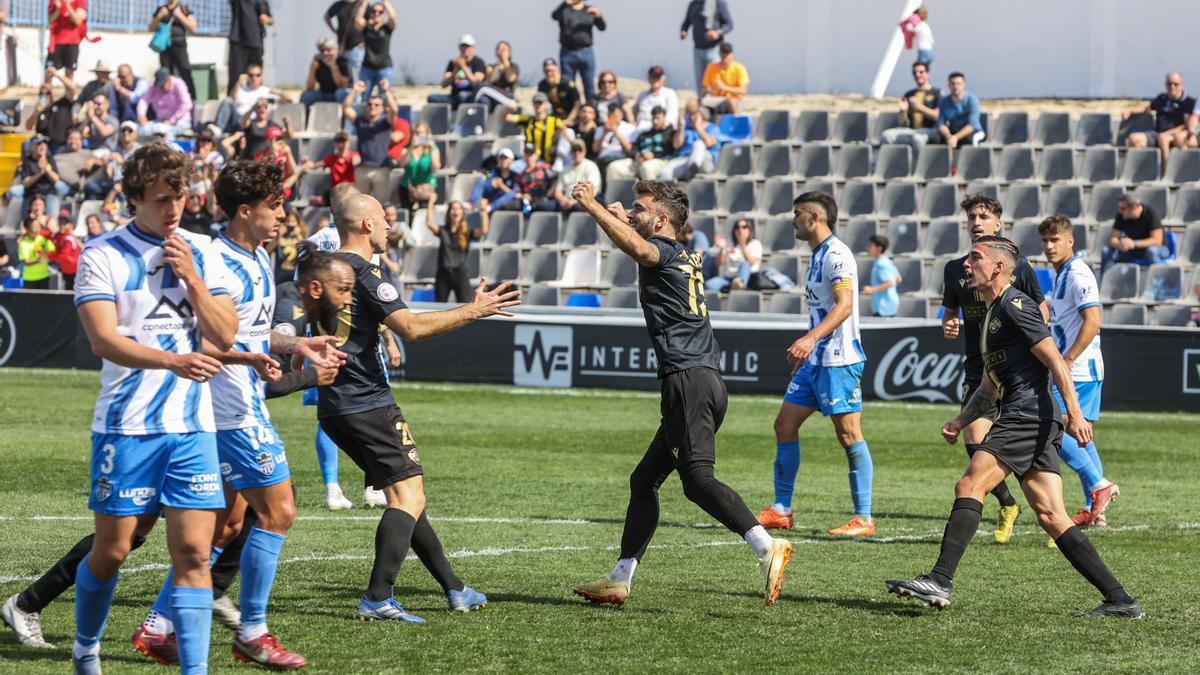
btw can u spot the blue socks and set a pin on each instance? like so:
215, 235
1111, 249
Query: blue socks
787, 464
1080, 461
862, 471
162, 604
327, 456
260, 557
92, 602
192, 608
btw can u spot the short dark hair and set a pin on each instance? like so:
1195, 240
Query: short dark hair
923, 64
956, 74
152, 163
1057, 223
823, 199
248, 182
312, 262
668, 198
1005, 247
979, 199
880, 241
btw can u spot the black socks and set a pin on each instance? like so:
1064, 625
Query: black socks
392, 538
428, 547
964, 521
1078, 550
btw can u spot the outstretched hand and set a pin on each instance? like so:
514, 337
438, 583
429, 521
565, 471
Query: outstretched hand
496, 301
321, 351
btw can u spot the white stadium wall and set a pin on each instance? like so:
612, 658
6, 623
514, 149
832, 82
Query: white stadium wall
1017, 48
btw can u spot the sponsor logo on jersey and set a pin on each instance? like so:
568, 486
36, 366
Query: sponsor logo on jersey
103, 489
205, 483
263, 318
140, 496
414, 456
993, 359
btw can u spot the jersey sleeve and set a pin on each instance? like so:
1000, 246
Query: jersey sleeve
949, 299
840, 270
217, 276
1084, 292
94, 279
666, 252
1027, 282
1026, 320
379, 296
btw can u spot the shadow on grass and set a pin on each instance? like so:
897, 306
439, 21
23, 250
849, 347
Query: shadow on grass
61, 655
874, 606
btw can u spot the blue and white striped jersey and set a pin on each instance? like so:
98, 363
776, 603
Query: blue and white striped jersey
1075, 289
239, 399
832, 267
125, 266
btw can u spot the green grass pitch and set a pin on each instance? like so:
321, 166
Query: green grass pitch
528, 489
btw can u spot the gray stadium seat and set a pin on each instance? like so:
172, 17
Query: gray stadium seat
988, 189
1015, 163
936, 278
702, 223
1080, 232
1135, 123
1121, 281
1097, 244
1164, 283
942, 237
324, 118
811, 125
420, 265
469, 154
1094, 129
537, 265
1057, 163
777, 234
814, 160
1183, 166
1066, 200
791, 263
1023, 201
899, 200
1009, 128
850, 127
774, 159
542, 229
857, 199
1126, 314
463, 186
776, 197
1025, 235
471, 119
1099, 164
293, 112
1189, 246
857, 232
619, 270
938, 200
1052, 128
737, 196
785, 303
1102, 204
620, 190
913, 308
734, 160
504, 227
883, 121
1141, 166
863, 266
437, 116
712, 301
499, 126
912, 271
579, 230
974, 163
933, 162
1173, 315
903, 236
541, 295
701, 193
312, 214
742, 301
313, 183
502, 263
622, 298
580, 269
821, 185
853, 161
1153, 195
772, 125
892, 161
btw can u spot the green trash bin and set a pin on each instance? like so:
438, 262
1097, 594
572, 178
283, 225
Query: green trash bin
205, 77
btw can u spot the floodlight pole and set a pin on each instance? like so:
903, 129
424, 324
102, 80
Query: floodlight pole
892, 54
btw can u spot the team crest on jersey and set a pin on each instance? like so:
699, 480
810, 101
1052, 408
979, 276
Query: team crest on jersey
104, 488
994, 326
83, 273
266, 463
387, 292
414, 456
285, 329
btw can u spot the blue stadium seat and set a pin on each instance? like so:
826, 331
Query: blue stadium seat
578, 299
736, 128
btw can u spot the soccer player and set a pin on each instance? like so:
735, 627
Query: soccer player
1075, 325
827, 365
360, 415
693, 394
983, 219
1019, 358
147, 294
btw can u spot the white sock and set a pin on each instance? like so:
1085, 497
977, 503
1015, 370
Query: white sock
80, 651
759, 540
781, 509
247, 632
623, 571
157, 623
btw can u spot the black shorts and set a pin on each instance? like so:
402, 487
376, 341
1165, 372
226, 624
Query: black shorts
1024, 444
65, 56
379, 442
693, 406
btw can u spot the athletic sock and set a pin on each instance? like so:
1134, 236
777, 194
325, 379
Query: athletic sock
161, 619
623, 571
759, 540
1001, 491
1094, 455
260, 558
59, 577
392, 539
193, 626
1081, 463
227, 564
93, 598
787, 464
963, 522
327, 456
862, 471
428, 547
1078, 550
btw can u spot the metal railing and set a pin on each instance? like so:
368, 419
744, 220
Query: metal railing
212, 16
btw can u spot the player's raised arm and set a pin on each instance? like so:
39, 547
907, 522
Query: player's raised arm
1045, 351
615, 224
495, 302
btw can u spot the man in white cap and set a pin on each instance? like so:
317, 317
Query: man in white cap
102, 83
464, 73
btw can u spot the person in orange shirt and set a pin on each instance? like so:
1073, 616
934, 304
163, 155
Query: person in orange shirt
725, 83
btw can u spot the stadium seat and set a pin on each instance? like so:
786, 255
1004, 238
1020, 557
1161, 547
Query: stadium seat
317, 148
437, 116
986, 189
208, 114
540, 295
942, 237
1189, 248
1015, 163
541, 229
579, 299
1183, 166
737, 196
882, 121
863, 267
469, 153
892, 161
735, 128
811, 125
742, 301
814, 160
899, 199
1126, 314
619, 270
622, 298
1136, 123
938, 200
774, 159
777, 234
1098, 242
903, 235
1102, 203
537, 265
1080, 232
936, 278
470, 119
580, 269
1099, 164
313, 183
1052, 128
776, 197
857, 199
1141, 166
504, 228
734, 160
579, 230
701, 193
702, 223
1045, 279
712, 301
974, 163
785, 303
463, 186
1010, 128
911, 269
821, 185
1094, 129
422, 294
1066, 200
1164, 283
324, 118
1121, 281
1057, 163
933, 162
499, 126
1173, 315
292, 112
420, 265
620, 190
313, 214
772, 125
850, 126
913, 308
791, 263
1023, 201
1024, 234
857, 232
853, 161
1153, 195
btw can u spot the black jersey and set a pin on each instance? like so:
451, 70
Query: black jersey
287, 305
361, 383
672, 294
958, 294
1013, 324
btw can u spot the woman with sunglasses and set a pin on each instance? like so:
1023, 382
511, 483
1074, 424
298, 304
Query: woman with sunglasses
737, 260
500, 84
607, 95
377, 26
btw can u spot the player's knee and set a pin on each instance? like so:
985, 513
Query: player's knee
1052, 521
697, 482
190, 555
786, 429
109, 555
641, 483
849, 438
968, 486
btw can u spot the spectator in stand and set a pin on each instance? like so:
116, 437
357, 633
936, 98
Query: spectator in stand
1137, 234
341, 162
34, 251
575, 22
252, 140
609, 95
582, 170
918, 34
175, 57
127, 140
377, 25
68, 27
95, 227
421, 161
100, 124
328, 75
454, 243
127, 90
249, 89
535, 182
209, 160
659, 94
709, 21
737, 260
38, 211
280, 154
885, 278
464, 73
248, 21
102, 84
373, 129
696, 144
652, 149
284, 248
725, 83
170, 101
697, 242
498, 189
613, 141
918, 114
38, 176
1171, 112
197, 214
53, 117
66, 252
541, 129
958, 114
76, 165
398, 139
349, 38
500, 84
584, 130
564, 99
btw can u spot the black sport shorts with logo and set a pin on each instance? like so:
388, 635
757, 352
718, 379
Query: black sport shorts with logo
693, 406
379, 442
1023, 444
